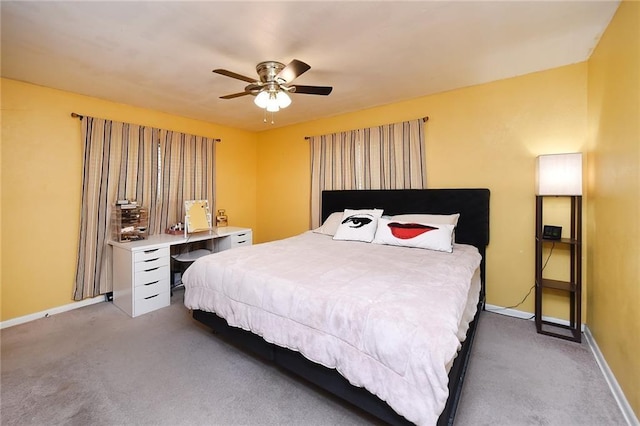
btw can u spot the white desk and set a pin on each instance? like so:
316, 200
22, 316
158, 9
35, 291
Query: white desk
141, 270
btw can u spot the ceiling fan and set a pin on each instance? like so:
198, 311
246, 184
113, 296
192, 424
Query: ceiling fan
271, 90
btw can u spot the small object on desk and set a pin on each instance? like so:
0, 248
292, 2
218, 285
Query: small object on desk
176, 229
221, 218
129, 221
197, 217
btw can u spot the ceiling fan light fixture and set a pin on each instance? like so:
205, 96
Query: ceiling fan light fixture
262, 99
272, 103
283, 99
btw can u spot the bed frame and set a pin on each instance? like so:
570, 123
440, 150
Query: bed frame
473, 229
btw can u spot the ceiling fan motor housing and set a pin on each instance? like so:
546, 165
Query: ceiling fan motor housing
268, 71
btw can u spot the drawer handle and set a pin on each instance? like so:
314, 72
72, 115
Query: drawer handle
241, 242
150, 251
152, 269
152, 260
152, 283
151, 297
241, 235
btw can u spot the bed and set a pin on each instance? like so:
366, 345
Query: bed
365, 336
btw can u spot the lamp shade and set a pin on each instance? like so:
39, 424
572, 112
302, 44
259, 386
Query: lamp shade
559, 174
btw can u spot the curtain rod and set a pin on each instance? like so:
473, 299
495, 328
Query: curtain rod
424, 119
76, 115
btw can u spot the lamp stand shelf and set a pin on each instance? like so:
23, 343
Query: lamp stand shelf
573, 287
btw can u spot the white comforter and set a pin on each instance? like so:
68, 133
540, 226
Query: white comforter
385, 317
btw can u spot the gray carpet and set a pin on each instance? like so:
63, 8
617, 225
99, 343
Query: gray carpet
97, 366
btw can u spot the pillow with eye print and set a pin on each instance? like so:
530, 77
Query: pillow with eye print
358, 225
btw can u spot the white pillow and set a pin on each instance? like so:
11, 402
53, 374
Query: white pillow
451, 219
330, 226
358, 225
432, 236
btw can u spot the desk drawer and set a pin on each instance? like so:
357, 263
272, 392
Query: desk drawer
149, 276
152, 263
241, 239
151, 289
145, 255
151, 303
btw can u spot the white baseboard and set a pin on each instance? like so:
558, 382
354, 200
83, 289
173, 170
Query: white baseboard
508, 311
616, 390
524, 315
52, 311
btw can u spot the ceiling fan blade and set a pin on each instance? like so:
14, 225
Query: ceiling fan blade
234, 95
293, 70
312, 90
234, 75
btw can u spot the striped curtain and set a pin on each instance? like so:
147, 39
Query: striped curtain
187, 174
155, 167
394, 156
333, 166
384, 157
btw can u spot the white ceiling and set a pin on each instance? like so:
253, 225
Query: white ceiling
160, 55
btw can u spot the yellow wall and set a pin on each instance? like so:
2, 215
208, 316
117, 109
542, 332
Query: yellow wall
481, 136
41, 186
614, 191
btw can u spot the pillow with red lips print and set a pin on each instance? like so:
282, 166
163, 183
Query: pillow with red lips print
358, 225
432, 236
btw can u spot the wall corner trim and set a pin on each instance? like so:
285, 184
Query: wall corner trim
616, 390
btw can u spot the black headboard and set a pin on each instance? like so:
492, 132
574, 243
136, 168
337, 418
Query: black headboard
472, 204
